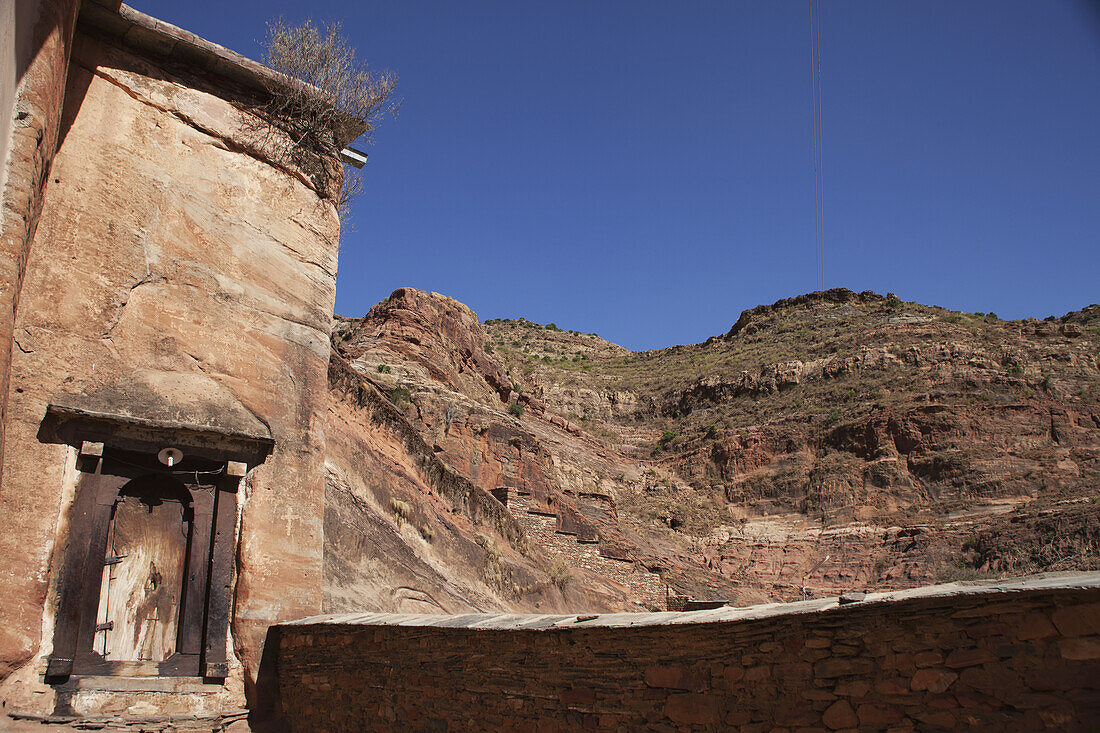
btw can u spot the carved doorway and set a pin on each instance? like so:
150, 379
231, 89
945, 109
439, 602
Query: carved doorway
147, 571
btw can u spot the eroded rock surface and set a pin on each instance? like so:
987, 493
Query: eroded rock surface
887, 437
177, 276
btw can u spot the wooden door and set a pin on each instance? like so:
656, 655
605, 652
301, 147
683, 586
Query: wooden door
142, 584
145, 579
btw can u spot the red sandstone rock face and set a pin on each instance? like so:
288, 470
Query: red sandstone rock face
177, 275
428, 353
405, 531
35, 121
549, 465
912, 433
430, 337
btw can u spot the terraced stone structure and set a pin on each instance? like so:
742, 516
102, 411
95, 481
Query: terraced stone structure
1019, 656
577, 544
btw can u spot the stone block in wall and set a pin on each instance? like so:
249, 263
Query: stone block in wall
1077, 620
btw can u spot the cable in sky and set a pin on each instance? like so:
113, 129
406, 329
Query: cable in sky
815, 104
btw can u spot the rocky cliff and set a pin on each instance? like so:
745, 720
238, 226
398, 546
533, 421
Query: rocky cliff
838, 439
427, 441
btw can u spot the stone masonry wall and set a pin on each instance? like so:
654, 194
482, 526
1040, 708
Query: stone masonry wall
1021, 656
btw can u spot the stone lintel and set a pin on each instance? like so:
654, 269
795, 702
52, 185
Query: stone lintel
90, 428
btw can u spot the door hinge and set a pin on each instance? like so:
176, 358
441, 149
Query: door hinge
109, 626
113, 559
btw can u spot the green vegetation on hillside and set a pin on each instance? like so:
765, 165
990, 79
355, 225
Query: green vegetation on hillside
884, 338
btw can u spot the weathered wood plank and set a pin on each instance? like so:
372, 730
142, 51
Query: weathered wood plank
198, 562
221, 580
71, 580
105, 487
149, 537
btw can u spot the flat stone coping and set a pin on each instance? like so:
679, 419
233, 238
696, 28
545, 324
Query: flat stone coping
987, 591
145, 33
136, 29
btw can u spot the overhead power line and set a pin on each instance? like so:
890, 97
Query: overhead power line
815, 109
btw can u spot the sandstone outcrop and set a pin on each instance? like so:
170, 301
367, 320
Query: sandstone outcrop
918, 429
179, 287
818, 423
421, 371
428, 337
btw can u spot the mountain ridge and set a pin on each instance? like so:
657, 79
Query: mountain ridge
1086, 315
900, 439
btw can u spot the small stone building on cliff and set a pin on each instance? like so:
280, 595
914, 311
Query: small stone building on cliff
168, 288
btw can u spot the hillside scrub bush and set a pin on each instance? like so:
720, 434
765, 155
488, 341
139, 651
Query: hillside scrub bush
450, 415
401, 509
1012, 366
560, 573
515, 409
399, 396
494, 570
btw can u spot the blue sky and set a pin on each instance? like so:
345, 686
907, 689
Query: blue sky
643, 170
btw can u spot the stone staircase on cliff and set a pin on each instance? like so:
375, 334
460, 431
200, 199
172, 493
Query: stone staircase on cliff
579, 546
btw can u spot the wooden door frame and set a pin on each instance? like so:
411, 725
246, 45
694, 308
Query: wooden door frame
208, 579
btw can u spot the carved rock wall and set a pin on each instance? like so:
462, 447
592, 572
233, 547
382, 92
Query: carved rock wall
176, 274
38, 56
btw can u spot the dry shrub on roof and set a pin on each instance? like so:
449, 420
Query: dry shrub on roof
338, 96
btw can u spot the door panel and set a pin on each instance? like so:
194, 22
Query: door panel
142, 583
